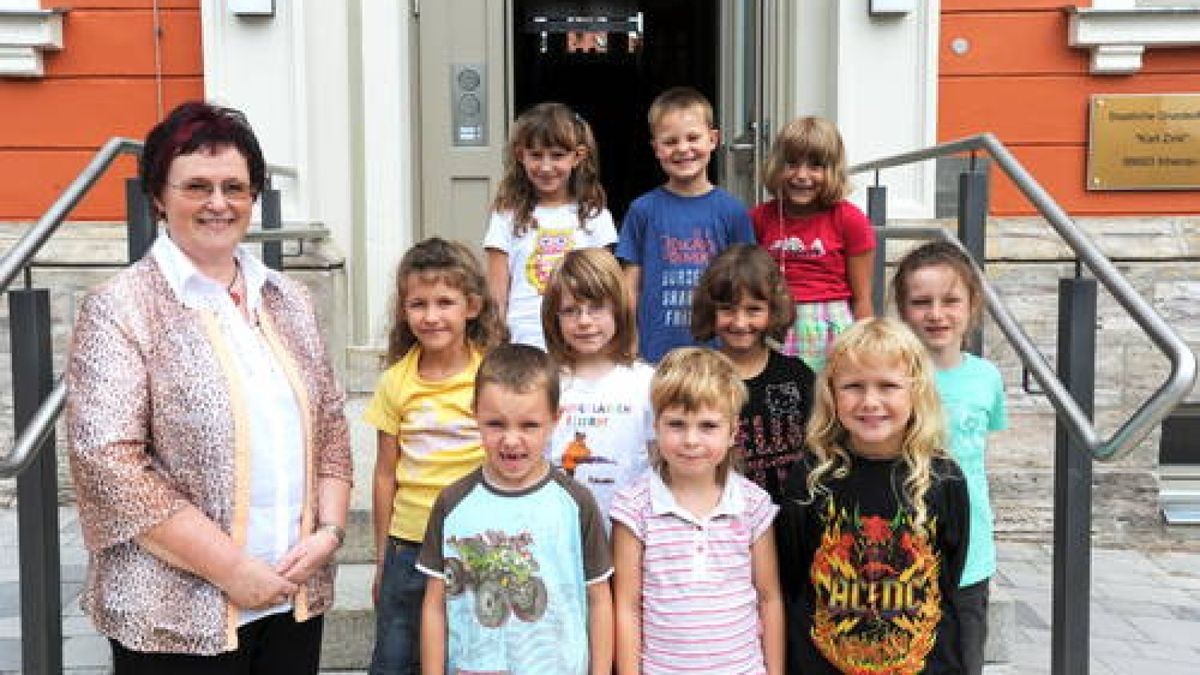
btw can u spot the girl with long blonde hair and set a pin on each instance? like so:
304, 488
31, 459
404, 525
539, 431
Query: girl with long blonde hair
873, 533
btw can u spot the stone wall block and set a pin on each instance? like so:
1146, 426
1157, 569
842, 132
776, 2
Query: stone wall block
1179, 303
1189, 235
1146, 371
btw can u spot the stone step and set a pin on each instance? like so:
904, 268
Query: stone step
1002, 625
359, 546
350, 625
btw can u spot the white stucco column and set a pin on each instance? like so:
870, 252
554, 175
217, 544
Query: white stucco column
876, 78
387, 154
259, 66
327, 87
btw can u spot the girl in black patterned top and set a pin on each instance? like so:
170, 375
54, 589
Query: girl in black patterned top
742, 301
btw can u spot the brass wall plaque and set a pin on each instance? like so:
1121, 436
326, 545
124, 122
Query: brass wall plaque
1144, 142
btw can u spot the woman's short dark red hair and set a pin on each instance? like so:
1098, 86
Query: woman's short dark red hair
193, 126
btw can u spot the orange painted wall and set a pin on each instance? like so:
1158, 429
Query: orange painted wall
1021, 81
102, 84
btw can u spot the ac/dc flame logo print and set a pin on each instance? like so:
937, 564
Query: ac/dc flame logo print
878, 601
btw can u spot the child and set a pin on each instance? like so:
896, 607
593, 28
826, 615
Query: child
606, 421
824, 245
549, 202
940, 297
515, 552
672, 232
427, 436
696, 585
741, 300
874, 526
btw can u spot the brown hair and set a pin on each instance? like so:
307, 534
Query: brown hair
676, 99
814, 141
924, 439
933, 254
436, 259
739, 271
594, 275
549, 125
519, 368
695, 378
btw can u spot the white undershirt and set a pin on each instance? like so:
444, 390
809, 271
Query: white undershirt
276, 429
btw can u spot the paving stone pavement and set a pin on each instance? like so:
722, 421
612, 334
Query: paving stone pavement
1145, 605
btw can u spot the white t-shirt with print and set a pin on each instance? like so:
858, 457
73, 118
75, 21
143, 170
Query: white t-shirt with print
604, 427
533, 255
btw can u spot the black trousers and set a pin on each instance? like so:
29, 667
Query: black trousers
272, 644
971, 603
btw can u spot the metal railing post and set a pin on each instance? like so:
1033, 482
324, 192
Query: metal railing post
1069, 640
142, 228
972, 228
877, 213
37, 486
272, 219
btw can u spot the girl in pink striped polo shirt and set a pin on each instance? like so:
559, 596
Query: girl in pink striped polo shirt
696, 584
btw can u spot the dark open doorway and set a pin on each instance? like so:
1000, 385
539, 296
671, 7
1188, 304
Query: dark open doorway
608, 60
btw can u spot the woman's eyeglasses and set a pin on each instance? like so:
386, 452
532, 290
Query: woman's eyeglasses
203, 191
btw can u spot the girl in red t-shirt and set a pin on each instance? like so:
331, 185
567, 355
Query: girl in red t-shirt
824, 245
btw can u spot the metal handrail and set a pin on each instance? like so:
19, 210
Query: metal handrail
18, 257
1183, 361
261, 235
35, 433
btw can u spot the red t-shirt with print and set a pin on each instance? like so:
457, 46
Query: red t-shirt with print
812, 249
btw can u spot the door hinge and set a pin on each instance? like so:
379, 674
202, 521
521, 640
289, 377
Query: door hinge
416, 9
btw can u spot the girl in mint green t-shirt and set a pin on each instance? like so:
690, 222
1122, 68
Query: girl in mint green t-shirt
939, 295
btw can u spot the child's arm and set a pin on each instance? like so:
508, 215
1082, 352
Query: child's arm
765, 571
600, 627
383, 494
627, 598
498, 279
860, 269
433, 628
633, 284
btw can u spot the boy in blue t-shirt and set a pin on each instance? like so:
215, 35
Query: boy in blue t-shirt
672, 232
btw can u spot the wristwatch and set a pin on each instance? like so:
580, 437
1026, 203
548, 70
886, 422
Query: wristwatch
337, 531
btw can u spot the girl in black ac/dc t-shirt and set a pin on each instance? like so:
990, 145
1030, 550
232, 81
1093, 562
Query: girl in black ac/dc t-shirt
873, 529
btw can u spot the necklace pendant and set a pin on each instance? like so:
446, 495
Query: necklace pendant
236, 297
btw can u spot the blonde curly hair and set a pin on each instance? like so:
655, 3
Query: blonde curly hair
880, 341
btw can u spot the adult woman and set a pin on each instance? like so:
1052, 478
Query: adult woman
207, 438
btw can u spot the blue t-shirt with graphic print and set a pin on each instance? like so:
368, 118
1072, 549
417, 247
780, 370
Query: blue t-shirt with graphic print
516, 567
673, 238
972, 394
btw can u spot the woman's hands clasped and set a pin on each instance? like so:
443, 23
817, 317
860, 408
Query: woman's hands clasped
310, 554
252, 584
